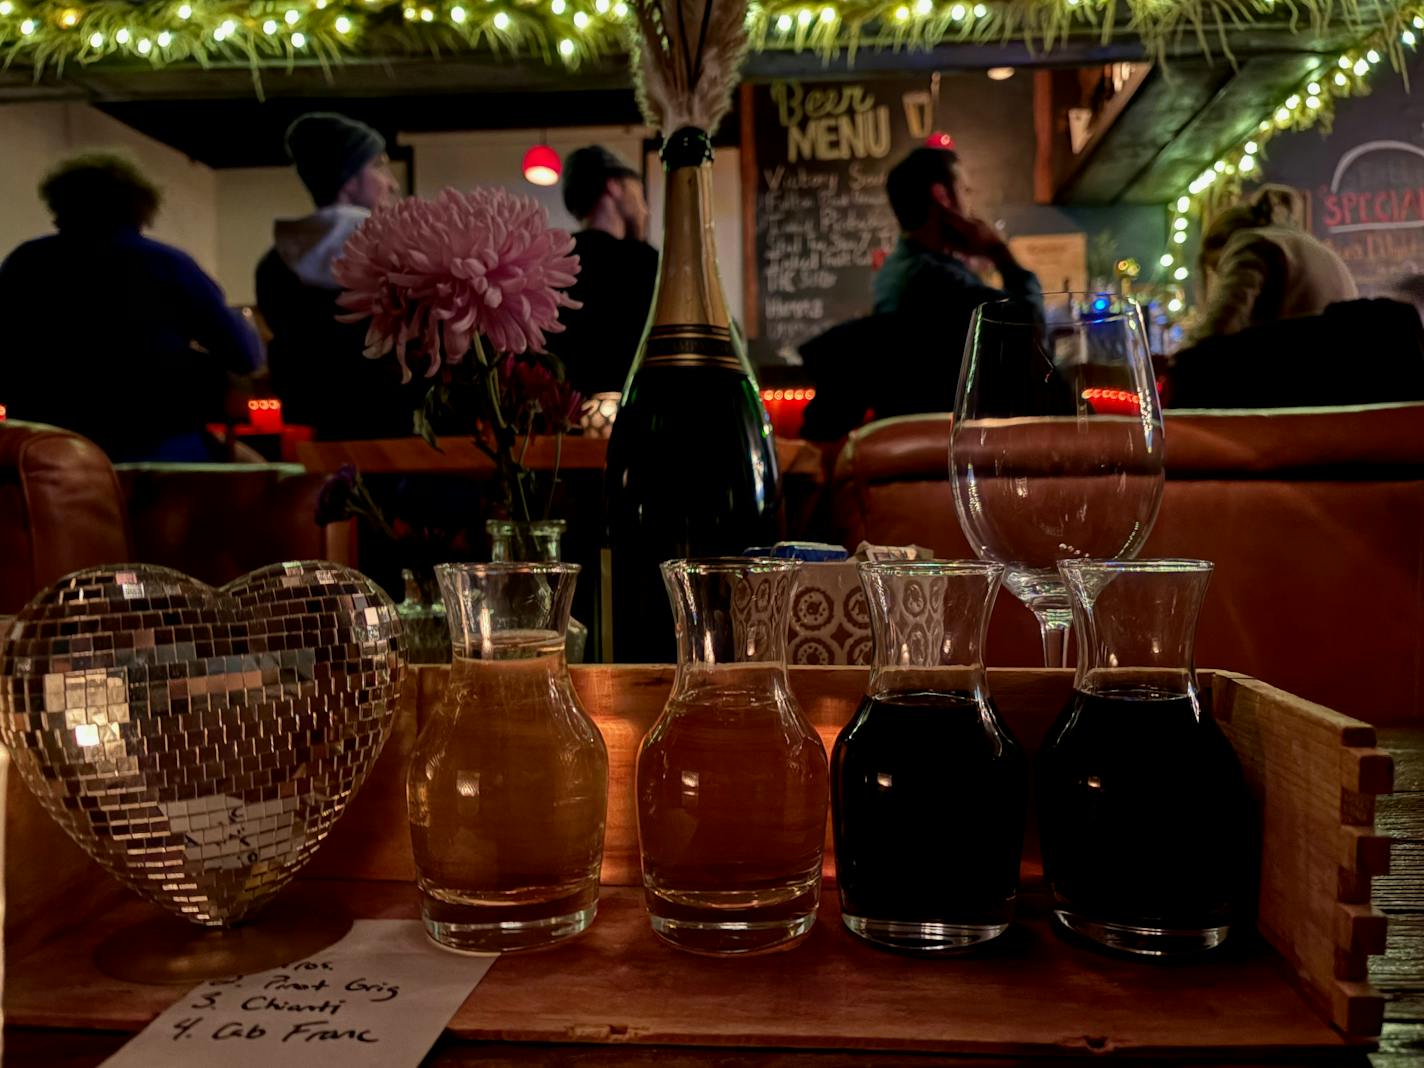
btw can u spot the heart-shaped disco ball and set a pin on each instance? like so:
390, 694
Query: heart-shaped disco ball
200, 743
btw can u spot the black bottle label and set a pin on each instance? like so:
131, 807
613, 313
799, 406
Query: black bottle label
690, 345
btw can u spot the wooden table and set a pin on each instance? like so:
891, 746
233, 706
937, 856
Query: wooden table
1400, 975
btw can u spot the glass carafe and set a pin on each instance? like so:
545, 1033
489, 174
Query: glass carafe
1143, 810
928, 786
731, 779
508, 782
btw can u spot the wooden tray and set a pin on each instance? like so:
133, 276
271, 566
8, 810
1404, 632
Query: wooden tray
1300, 989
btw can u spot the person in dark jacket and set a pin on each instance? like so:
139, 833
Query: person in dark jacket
926, 279
618, 271
925, 294
111, 334
318, 367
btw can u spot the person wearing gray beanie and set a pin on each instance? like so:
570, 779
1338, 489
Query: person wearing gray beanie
317, 364
340, 160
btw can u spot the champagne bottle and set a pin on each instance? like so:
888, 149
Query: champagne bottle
691, 467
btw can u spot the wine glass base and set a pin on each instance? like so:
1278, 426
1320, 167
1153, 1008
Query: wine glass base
923, 937
1144, 941
508, 936
720, 938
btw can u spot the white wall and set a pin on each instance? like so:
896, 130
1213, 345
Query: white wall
37, 136
496, 157
248, 200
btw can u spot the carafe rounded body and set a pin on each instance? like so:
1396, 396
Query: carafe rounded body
731, 779
508, 781
928, 784
1143, 810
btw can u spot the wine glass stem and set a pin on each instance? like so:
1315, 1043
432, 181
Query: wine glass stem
1054, 625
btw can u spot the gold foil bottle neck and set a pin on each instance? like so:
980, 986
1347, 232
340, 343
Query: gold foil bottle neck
690, 324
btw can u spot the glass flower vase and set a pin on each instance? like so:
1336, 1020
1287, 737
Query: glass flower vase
422, 615
508, 781
540, 541
731, 779
928, 785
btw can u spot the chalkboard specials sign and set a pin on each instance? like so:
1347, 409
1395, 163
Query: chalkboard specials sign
816, 171
1372, 212
1365, 181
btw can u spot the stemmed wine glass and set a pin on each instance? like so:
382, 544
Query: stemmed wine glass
1056, 450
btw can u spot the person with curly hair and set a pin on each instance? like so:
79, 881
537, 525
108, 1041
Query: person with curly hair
1261, 266
111, 334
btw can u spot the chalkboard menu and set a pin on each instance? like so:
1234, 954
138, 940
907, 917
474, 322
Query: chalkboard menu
1365, 181
822, 151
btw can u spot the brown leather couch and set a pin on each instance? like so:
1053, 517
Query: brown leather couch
1313, 517
63, 507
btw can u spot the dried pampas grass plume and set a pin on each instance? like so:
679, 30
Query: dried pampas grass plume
687, 57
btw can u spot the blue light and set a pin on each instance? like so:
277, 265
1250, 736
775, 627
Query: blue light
1100, 304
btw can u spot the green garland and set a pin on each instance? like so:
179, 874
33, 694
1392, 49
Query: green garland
1309, 105
51, 33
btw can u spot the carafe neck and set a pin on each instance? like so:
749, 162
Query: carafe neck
888, 682
730, 613
1135, 624
929, 618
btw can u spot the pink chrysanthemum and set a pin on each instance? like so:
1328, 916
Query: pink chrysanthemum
434, 274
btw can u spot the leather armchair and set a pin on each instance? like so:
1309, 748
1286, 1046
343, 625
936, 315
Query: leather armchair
63, 507
60, 510
1313, 517
218, 521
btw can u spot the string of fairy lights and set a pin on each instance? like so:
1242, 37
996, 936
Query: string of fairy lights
1309, 104
215, 30
263, 32
48, 33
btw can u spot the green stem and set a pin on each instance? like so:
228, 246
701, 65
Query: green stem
363, 505
491, 383
554, 476
528, 436
508, 472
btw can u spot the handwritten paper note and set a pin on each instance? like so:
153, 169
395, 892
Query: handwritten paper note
379, 997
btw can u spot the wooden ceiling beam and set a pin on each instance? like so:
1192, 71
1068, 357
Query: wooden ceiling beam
1160, 109
1257, 89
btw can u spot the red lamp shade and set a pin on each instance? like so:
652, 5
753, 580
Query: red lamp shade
542, 166
939, 139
